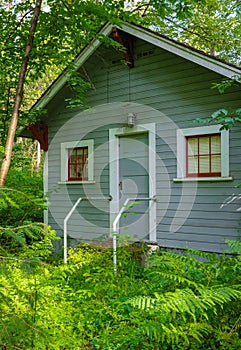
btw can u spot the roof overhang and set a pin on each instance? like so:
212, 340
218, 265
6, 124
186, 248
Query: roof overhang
202, 59
183, 51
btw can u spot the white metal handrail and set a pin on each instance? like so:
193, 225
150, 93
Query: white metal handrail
68, 217
115, 223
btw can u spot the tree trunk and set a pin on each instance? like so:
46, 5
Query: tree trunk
19, 96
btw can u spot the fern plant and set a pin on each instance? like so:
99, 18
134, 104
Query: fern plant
234, 246
20, 234
187, 298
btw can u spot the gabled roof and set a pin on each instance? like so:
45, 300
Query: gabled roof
187, 52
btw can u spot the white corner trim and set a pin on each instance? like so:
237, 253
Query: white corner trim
64, 159
114, 135
181, 151
45, 183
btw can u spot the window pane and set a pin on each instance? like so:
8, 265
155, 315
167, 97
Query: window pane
216, 164
79, 172
204, 166
216, 144
192, 165
85, 173
72, 158
192, 145
78, 160
204, 145
71, 155
73, 172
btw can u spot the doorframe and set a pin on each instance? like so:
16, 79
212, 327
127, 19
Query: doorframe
114, 135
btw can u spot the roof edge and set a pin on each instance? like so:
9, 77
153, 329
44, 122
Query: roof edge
219, 66
85, 53
197, 56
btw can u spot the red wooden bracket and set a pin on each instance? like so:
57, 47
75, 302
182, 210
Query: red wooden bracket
40, 131
127, 41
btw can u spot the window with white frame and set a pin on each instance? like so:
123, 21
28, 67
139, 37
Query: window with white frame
77, 161
203, 153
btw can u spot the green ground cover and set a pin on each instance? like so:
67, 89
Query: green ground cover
173, 302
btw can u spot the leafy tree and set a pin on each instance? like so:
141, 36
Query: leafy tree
213, 26
64, 27
19, 95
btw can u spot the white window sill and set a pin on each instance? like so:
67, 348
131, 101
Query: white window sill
76, 182
203, 179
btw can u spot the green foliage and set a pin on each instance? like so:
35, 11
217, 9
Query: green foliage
127, 209
176, 302
212, 26
64, 28
227, 118
193, 293
30, 239
22, 231
226, 84
234, 246
17, 206
78, 86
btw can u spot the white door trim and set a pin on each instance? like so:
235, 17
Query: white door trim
114, 135
45, 183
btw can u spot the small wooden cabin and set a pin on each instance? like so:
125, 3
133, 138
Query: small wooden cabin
137, 140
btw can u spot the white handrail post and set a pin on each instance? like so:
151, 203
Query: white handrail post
114, 252
115, 222
65, 228
67, 218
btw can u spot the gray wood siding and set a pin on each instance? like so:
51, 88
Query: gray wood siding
163, 89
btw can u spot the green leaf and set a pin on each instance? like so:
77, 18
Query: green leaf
219, 113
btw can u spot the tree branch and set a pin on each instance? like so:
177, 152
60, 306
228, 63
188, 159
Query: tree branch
19, 24
140, 7
184, 28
